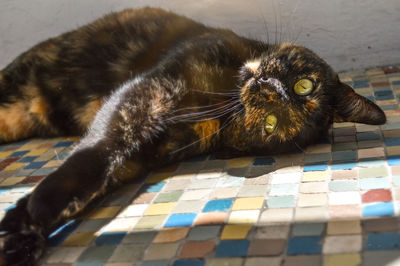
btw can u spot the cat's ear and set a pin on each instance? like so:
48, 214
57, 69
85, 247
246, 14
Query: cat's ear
351, 107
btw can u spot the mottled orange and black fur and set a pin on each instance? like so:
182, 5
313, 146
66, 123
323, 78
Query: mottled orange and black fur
149, 88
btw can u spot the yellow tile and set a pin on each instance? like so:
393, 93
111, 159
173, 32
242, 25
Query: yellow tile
12, 181
342, 260
79, 239
53, 163
29, 146
150, 222
157, 177
15, 166
235, 231
104, 212
248, 203
71, 138
314, 176
5, 154
344, 227
240, 162
160, 208
36, 152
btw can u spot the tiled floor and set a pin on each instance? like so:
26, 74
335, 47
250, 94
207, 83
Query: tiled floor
335, 204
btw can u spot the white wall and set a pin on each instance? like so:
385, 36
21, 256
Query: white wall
347, 33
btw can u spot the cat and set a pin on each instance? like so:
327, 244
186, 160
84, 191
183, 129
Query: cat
149, 88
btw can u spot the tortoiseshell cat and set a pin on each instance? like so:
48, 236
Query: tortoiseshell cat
159, 88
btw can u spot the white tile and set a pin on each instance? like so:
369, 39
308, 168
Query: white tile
344, 198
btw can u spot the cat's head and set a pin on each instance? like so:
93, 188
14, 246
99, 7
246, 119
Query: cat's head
290, 94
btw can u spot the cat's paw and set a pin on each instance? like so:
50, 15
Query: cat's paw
24, 248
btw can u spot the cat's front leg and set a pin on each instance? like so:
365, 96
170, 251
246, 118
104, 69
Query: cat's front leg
132, 118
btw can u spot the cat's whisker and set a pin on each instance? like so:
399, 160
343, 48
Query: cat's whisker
201, 114
228, 93
203, 117
200, 107
216, 132
212, 117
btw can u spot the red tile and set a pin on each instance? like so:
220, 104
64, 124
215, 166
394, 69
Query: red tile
377, 195
7, 162
380, 84
198, 249
32, 179
391, 69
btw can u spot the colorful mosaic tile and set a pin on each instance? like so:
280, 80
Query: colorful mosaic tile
335, 204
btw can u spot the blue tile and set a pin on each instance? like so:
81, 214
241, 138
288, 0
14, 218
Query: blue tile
232, 248
218, 205
35, 165
4, 189
392, 141
374, 183
28, 159
389, 107
264, 161
304, 245
315, 167
18, 154
110, 238
180, 219
371, 98
360, 84
189, 263
63, 144
383, 241
393, 160
343, 166
63, 155
383, 95
369, 135
154, 187
61, 233
11, 206
379, 209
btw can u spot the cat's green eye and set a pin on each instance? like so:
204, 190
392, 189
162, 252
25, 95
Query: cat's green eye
270, 123
303, 87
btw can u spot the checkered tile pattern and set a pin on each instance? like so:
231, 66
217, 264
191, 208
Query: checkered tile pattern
336, 203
